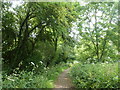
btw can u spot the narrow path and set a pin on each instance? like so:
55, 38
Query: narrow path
63, 80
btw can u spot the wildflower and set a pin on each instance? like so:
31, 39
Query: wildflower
41, 62
106, 62
32, 63
10, 79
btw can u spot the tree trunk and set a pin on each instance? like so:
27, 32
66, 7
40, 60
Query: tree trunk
97, 42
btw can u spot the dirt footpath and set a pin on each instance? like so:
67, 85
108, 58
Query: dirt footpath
63, 80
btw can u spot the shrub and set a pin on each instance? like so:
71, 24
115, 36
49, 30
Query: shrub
100, 75
44, 79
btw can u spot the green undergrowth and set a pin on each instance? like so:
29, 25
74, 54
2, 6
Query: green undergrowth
100, 75
43, 79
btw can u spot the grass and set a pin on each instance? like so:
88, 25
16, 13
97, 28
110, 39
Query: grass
44, 79
100, 75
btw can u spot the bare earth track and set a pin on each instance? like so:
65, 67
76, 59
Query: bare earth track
63, 80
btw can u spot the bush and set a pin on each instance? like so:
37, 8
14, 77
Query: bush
100, 75
44, 79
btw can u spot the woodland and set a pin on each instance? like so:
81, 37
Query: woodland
42, 39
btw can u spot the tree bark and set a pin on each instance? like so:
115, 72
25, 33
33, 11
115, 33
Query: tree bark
97, 42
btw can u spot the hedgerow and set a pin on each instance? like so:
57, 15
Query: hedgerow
100, 75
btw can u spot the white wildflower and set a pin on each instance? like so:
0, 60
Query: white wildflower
32, 63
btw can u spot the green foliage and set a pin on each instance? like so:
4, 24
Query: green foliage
38, 36
35, 24
100, 75
98, 32
43, 79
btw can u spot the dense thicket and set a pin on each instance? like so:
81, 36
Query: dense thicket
36, 29
46, 33
100, 75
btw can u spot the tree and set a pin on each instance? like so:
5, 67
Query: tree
31, 24
95, 25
